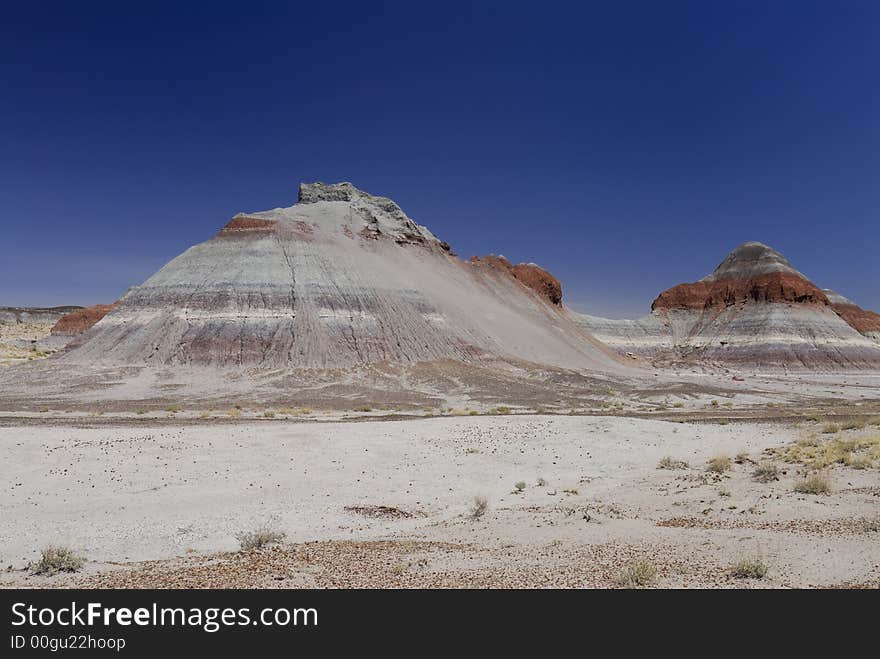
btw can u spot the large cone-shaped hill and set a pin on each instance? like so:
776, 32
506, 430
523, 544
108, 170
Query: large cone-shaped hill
755, 309
340, 279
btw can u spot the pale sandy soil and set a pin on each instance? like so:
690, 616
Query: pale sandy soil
22, 342
161, 504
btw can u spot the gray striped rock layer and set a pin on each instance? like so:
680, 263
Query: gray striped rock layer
749, 332
340, 279
777, 336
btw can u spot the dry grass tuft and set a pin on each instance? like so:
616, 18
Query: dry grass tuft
638, 574
813, 484
765, 472
55, 559
259, 538
668, 463
749, 568
719, 464
858, 453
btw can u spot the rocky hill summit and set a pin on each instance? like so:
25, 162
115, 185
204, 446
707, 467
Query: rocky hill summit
753, 272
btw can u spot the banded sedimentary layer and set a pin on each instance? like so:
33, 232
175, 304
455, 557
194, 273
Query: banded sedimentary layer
79, 320
342, 278
754, 309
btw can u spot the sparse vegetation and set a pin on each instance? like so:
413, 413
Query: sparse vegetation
638, 574
859, 453
234, 412
269, 414
714, 403
502, 409
742, 457
679, 404
858, 461
172, 409
478, 508
853, 425
669, 463
259, 538
719, 464
830, 429
723, 422
541, 482
520, 486
363, 408
749, 568
813, 484
55, 559
472, 413
765, 472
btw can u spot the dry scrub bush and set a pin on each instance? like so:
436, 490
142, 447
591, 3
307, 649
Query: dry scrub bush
749, 568
259, 538
478, 507
668, 463
637, 575
719, 464
55, 559
813, 484
765, 472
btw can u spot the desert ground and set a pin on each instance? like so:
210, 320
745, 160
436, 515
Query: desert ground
696, 492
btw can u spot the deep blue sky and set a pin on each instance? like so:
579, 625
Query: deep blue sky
625, 146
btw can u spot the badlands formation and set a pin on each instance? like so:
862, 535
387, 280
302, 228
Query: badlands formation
340, 279
755, 311
389, 415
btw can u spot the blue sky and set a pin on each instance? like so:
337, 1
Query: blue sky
625, 146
